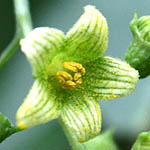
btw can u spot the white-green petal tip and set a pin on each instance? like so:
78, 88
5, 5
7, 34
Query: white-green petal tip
88, 38
41, 45
89, 8
39, 107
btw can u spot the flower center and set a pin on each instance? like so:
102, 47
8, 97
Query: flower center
67, 80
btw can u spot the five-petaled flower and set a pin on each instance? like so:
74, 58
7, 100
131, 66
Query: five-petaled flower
72, 75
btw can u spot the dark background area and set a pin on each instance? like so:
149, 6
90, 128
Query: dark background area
127, 116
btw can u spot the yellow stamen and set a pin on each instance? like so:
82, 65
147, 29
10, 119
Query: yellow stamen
69, 84
83, 70
79, 81
66, 79
64, 74
69, 66
77, 76
61, 79
74, 67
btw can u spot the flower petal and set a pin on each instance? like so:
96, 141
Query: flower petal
40, 106
83, 117
109, 78
41, 45
88, 38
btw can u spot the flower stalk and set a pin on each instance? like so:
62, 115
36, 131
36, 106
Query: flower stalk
10, 50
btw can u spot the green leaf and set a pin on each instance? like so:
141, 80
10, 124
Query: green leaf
108, 78
6, 129
142, 142
39, 107
138, 53
88, 38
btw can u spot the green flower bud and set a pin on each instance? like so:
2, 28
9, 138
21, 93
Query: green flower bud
5, 128
138, 53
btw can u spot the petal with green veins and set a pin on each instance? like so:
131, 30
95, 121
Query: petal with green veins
109, 78
88, 38
83, 117
40, 106
41, 45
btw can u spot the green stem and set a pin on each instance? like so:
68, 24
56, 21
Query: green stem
23, 17
23, 27
9, 51
71, 138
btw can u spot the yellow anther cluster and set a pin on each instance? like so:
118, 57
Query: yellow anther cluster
67, 80
75, 67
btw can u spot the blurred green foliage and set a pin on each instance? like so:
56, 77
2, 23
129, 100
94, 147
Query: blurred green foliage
142, 142
6, 129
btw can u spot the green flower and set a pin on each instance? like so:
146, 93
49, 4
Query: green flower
72, 75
